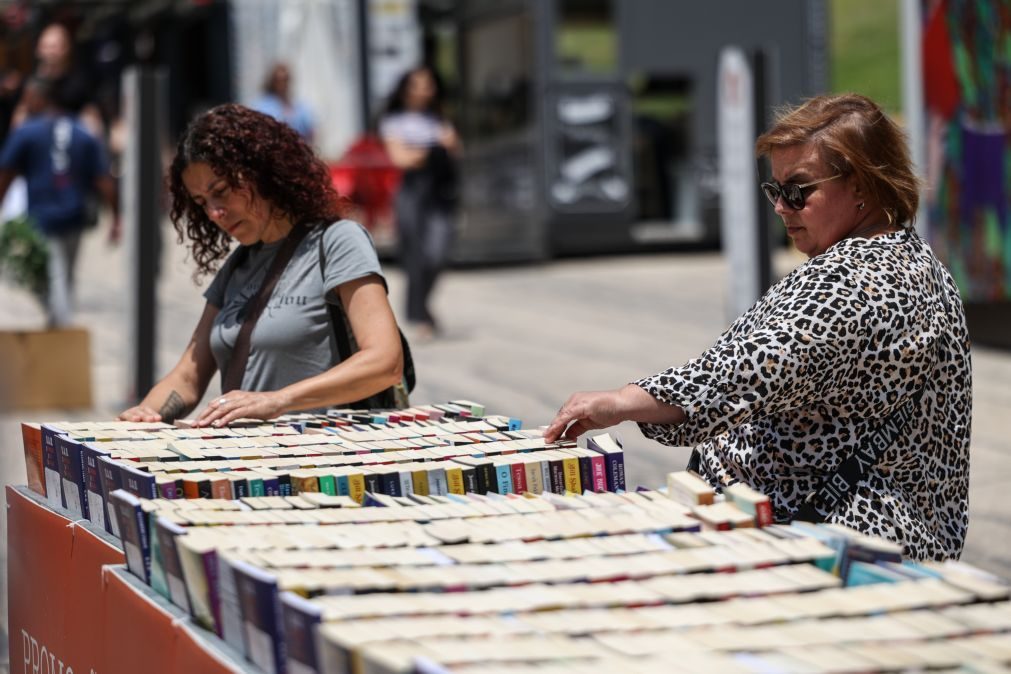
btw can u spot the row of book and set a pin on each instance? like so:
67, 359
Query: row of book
377, 595
432, 450
334, 573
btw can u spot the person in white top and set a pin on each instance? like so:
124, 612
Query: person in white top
425, 146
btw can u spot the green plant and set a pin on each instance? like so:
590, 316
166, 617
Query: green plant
23, 256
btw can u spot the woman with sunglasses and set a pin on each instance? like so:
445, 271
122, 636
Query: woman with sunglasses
844, 394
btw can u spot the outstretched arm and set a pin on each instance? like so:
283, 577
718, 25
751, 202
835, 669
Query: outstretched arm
591, 410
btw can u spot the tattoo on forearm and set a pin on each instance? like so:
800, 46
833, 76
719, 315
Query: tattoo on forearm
173, 408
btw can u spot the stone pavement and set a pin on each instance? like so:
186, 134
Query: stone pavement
519, 339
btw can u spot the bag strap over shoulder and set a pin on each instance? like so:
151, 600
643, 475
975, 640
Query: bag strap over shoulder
344, 341
232, 377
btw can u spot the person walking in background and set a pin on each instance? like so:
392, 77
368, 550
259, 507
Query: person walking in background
278, 102
845, 393
70, 83
424, 145
63, 165
240, 175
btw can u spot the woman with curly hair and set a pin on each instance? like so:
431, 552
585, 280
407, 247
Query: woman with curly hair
240, 174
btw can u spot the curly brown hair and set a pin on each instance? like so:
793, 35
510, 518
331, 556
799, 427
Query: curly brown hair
248, 148
856, 137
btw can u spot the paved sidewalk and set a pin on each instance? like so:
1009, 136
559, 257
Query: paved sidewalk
520, 339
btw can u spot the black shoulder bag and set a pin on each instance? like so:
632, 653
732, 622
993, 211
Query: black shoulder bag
394, 397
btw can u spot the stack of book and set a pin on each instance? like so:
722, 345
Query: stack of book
292, 542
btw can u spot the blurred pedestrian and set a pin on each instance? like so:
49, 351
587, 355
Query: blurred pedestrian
64, 166
278, 102
845, 393
70, 82
302, 274
425, 146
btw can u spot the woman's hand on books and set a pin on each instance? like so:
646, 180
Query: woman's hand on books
591, 410
241, 405
140, 413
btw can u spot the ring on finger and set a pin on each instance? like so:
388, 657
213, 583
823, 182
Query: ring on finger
221, 401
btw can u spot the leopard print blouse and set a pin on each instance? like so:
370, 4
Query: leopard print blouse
782, 396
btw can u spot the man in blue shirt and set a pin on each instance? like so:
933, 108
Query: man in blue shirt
64, 167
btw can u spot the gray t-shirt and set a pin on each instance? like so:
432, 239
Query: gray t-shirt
292, 339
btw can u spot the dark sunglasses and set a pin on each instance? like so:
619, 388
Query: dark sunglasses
792, 193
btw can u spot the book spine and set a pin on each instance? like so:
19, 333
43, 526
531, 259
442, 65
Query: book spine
373, 483
342, 485
437, 482
519, 478
486, 478
557, 476
283, 484
532, 468
469, 476
545, 465
503, 478
271, 486
454, 480
210, 563
31, 437
419, 481
256, 487
570, 469
391, 483
598, 471
240, 488
328, 485
585, 473
356, 486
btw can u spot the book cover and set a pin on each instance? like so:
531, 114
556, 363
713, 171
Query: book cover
75, 494
133, 530
751, 501
167, 532
51, 465
437, 485
137, 482
228, 601
419, 479
570, 472
300, 618
518, 475
159, 582
373, 482
532, 466
556, 466
199, 562
503, 477
91, 453
356, 484
109, 471
454, 479
261, 617
31, 438
221, 486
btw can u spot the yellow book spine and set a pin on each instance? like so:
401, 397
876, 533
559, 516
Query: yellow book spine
356, 486
454, 478
419, 478
570, 470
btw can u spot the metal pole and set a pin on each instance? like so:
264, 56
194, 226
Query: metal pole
910, 34
762, 239
142, 217
364, 70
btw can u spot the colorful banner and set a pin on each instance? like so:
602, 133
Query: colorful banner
967, 90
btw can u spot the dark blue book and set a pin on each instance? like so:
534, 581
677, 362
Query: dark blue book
300, 618
133, 533
373, 482
75, 495
261, 617
138, 482
51, 466
390, 481
91, 453
112, 479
